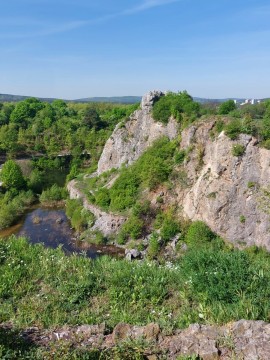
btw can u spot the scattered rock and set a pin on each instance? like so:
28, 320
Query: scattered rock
132, 254
59, 221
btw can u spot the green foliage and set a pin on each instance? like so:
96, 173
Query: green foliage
233, 129
219, 126
180, 156
53, 194
175, 105
151, 169
12, 206
199, 234
35, 181
124, 191
217, 275
102, 198
11, 175
238, 150
170, 228
132, 228
226, 107
242, 219
153, 247
207, 286
80, 218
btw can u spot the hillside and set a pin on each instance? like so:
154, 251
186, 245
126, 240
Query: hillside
179, 189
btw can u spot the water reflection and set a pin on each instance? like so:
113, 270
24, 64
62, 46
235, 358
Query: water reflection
52, 228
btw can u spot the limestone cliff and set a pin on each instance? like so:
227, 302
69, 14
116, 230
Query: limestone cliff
227, 192
129, 140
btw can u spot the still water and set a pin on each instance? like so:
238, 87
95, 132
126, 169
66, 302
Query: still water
52, 228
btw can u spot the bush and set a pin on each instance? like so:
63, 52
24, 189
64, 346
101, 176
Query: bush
13, 206
132, 228
151, 169
175, 105
11, 175
169, 228
180, 157
103, 198
199, 234
227, 107
54, 193
80, 218
154, 246
238, 150
233, 129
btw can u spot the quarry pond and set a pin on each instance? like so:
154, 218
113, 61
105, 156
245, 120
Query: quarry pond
51, 227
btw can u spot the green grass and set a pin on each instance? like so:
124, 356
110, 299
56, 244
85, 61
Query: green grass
43, 287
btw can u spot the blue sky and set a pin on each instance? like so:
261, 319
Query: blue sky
80, 48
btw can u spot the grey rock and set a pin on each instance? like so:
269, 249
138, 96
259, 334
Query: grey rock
132, 254
127, 143
105, 222
218, 191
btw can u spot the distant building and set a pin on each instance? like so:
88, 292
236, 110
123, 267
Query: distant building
250, 101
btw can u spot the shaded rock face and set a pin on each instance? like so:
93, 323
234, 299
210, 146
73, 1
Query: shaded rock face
226, 191
131, 139
105, 222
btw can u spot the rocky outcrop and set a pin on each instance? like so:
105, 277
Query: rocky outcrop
227, 192
129, 140
245, 340
105, 222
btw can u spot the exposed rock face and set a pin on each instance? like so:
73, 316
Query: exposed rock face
130, 140
226, 191
245, 340
107, 223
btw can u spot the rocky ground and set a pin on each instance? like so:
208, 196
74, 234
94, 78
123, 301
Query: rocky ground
245, 340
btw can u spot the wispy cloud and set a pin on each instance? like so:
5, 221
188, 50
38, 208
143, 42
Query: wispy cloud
145, 5
41, 28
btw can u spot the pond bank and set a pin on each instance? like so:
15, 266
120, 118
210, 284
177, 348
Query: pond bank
51, 227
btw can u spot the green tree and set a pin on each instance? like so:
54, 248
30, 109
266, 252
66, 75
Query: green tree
91, 119
227, 107
11, 175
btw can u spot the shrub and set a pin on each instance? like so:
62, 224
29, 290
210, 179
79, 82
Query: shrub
199, 234
169, 228
151, 169
132, 228
12, 176
173, 104
154, 246
103, 198
238, 150
233, 129
180, 157
54, 193
242, 219
80, 218
219, 126
124, 191
227, 107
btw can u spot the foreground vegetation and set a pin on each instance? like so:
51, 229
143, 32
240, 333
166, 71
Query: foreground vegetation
210, 284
